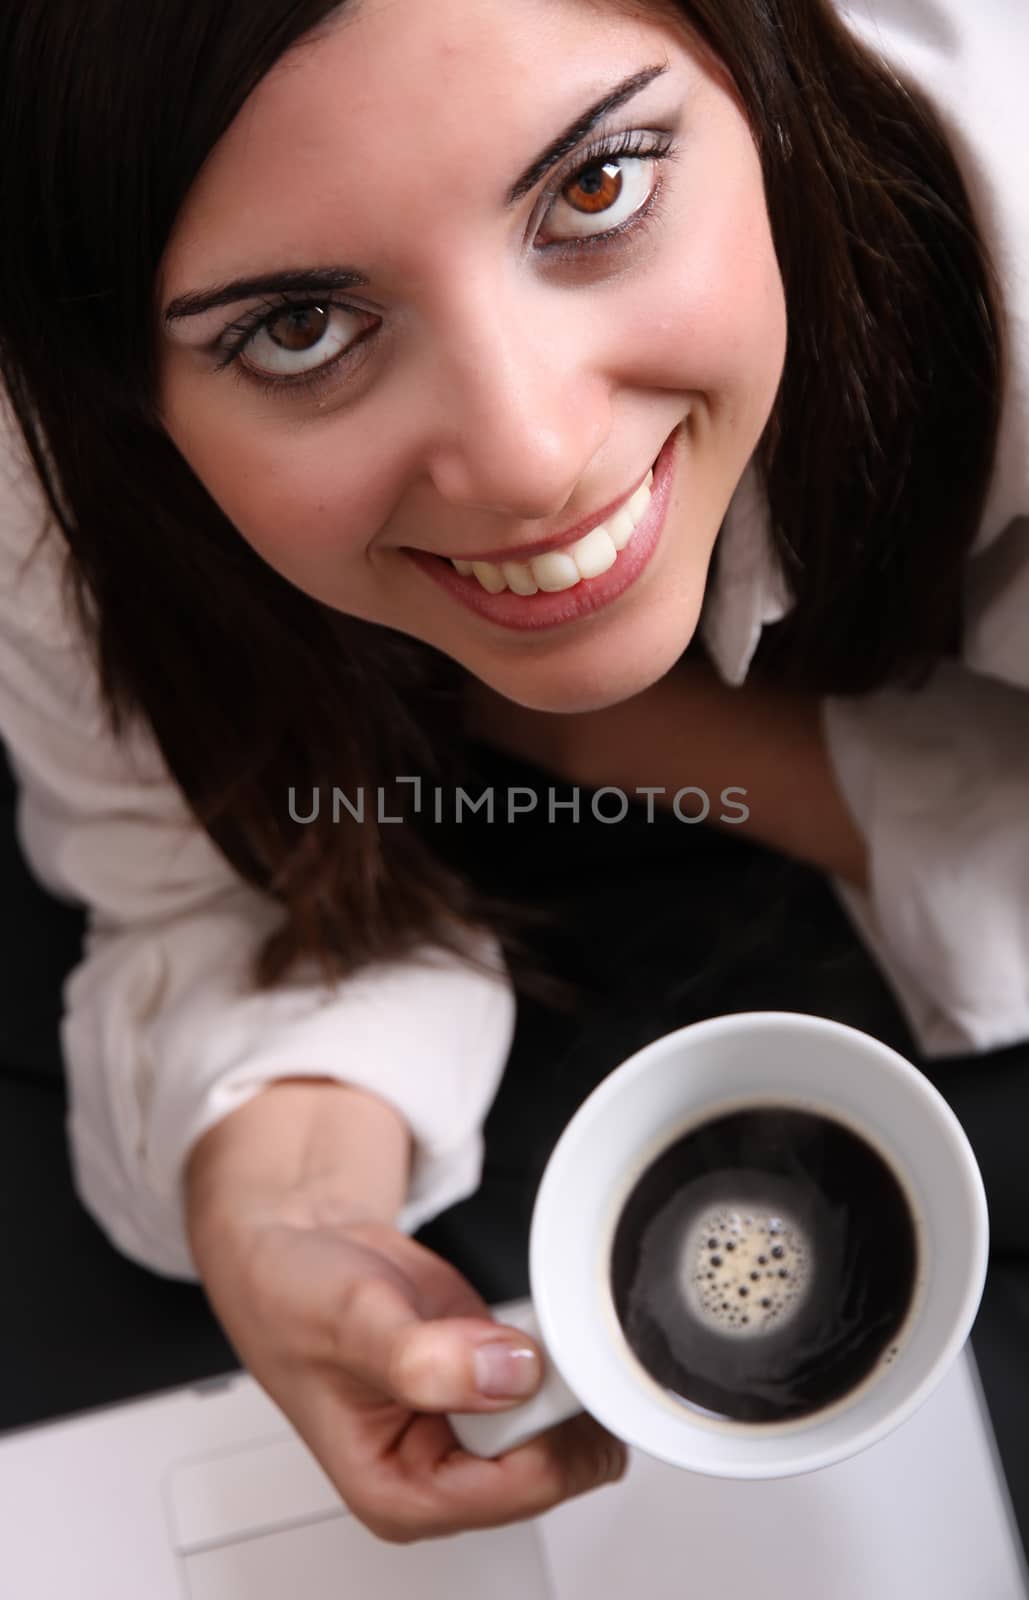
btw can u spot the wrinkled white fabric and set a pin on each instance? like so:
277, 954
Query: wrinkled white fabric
160, 1037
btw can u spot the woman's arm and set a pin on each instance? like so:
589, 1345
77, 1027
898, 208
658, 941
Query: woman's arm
163, 1034
361, 1336
691, 730
306, 1150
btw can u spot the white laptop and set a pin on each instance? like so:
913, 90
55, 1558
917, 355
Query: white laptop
206, 1493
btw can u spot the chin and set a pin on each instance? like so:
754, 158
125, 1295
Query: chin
598, 693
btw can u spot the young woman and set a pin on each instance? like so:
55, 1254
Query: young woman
637, 389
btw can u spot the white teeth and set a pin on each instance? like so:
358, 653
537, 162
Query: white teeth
489, 576
555, 571
519, 577
621, 528
591, 555
597, 551
640, 501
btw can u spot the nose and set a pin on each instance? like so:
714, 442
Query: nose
519, 411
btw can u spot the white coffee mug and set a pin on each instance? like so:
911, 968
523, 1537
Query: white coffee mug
686, 1078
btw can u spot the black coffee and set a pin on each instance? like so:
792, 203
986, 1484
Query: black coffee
764, 1264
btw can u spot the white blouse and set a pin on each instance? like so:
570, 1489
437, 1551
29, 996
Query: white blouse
938, 781
159, 1034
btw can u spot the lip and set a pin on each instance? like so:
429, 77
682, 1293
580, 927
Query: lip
535, 612
524, 552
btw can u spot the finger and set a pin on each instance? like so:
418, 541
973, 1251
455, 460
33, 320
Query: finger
568, 1460
441, 1364
469, 1493
574, 1454
382, 1321
427, 1487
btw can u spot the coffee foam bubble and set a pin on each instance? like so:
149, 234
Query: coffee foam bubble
744, 1267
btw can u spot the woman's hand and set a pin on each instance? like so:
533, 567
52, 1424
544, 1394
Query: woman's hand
364, 1338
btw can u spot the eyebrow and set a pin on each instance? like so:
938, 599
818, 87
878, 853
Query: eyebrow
321, 280
577, 130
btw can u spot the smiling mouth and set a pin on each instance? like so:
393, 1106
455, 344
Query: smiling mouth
598, 576
556, 570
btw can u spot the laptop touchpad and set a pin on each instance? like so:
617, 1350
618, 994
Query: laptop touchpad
264, 1521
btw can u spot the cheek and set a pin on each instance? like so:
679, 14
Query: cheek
712, 315
291, 499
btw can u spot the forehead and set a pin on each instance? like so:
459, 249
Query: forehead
420, 52
390, 98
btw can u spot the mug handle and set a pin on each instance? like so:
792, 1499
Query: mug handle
493, 1433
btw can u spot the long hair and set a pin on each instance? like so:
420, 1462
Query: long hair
876, 458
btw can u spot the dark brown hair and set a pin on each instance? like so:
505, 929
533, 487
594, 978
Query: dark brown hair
876, 459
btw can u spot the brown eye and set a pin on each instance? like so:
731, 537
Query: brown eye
603, 195
595, 188
298, 328
288, 334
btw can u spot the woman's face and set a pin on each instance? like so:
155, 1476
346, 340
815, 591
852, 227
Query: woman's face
453, 354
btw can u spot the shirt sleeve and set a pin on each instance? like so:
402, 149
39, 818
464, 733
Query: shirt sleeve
161, 1035
938, 782
938, 779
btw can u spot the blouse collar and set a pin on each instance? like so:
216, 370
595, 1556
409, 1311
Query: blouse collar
747, 589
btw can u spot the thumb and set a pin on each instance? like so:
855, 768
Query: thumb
468, 1363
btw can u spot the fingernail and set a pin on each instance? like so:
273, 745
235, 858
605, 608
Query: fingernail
504, 1371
